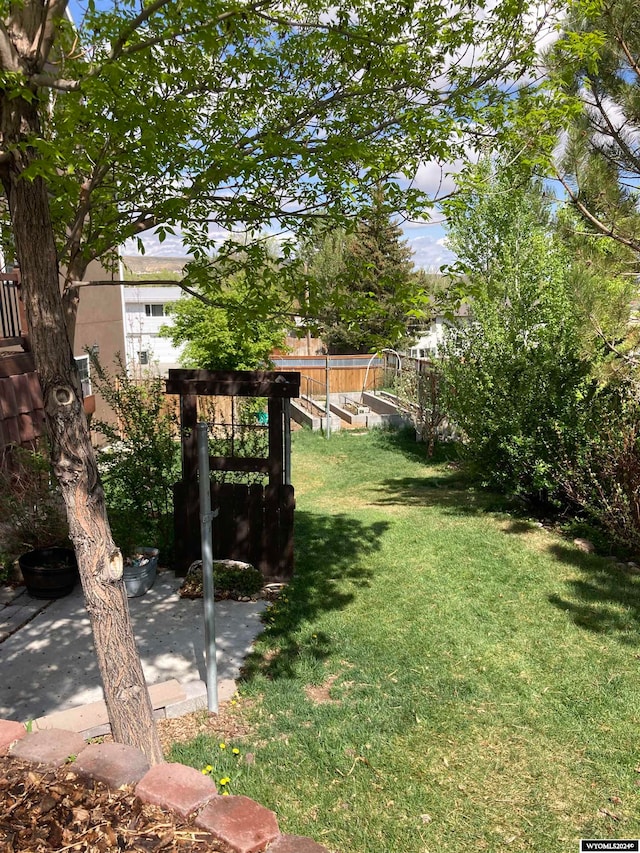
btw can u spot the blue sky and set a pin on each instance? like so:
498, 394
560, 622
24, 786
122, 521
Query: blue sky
426, 241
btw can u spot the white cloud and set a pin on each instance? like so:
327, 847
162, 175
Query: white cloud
436, 179
427, 241
430, 251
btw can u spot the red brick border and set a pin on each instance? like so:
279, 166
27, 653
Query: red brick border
242, 824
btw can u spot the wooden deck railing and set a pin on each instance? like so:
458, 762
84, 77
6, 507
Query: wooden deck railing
13, 323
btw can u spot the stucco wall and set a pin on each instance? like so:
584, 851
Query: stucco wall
100, 322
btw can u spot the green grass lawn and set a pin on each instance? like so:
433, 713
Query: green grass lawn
439, 676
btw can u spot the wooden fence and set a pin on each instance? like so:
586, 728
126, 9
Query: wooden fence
254, 523
347, 373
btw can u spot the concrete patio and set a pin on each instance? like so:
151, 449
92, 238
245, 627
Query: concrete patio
48, 667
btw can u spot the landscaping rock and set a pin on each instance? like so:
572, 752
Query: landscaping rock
241, 824
53, 747
112, 763
10, 732
585, 546
176, 787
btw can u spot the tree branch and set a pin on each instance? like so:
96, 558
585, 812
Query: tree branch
144, 15
628, 358
119, 47
615, 134
607, 230
46, 34
8, 54
49, 81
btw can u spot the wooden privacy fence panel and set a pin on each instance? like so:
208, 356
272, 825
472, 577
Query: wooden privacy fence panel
254, 523
347, 373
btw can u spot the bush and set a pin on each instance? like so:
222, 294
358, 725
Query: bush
419, 397
517, 387
32, 511
230, 578
603, 476
140, 463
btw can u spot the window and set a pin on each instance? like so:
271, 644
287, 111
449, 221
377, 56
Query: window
156, 310
143, 356
82, 363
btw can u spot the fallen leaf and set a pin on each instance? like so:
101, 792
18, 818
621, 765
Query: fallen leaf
609, 814
81, 815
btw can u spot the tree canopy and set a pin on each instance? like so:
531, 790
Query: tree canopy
213, 337
360, 286
515, 375
216, 117
595, 70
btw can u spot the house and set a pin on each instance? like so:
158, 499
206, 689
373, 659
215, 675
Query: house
99, 329
428, 342
145, 312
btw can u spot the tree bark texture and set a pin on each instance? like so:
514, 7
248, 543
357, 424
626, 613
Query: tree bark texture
99, 560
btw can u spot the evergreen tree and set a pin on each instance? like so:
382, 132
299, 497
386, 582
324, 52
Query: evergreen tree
595, 70
362, 286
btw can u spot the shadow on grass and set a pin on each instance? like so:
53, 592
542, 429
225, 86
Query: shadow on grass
605, 599
330, 558
517, 527
451, 491
404, 441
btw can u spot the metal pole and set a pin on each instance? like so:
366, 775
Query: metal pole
327, 431
206, 516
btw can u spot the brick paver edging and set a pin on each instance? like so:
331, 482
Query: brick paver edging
239, 824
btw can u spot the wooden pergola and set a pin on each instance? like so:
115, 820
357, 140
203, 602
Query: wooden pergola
254, 522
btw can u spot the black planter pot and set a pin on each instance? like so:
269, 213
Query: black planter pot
49, 572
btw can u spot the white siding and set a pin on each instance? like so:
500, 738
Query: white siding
429, 342
141, 330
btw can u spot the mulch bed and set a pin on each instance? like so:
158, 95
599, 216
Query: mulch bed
56, 810
43, 810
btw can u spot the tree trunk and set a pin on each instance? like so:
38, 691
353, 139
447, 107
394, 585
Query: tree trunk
99, 560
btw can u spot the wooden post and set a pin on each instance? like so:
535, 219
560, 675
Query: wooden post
188, 421
276, 442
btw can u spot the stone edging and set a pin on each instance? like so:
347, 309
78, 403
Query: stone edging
238, 823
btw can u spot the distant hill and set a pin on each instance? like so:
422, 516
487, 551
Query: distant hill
145, 265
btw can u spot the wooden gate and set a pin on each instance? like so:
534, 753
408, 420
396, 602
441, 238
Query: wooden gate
254, 522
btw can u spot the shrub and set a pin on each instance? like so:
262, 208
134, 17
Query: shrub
140, 463
517, 387
419, 397
32, 511
228, 577
603, 476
